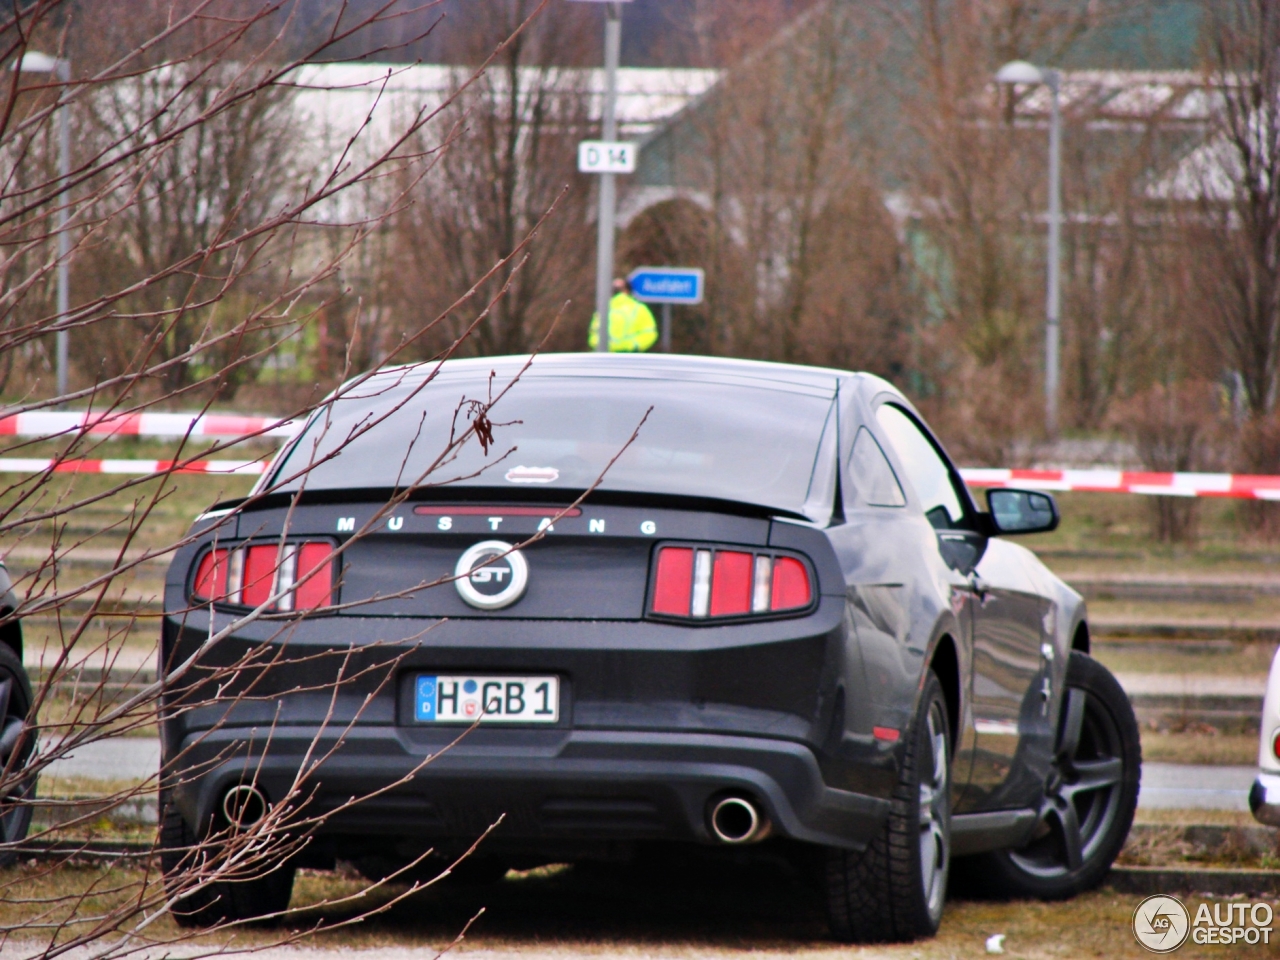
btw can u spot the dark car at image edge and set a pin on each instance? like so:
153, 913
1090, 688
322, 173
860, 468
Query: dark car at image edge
779, 622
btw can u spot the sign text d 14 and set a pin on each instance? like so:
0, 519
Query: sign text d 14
602, 156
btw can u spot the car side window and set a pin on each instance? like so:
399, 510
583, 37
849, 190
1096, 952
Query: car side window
873, 477
926, 471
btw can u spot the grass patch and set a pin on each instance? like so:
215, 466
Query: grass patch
1110, 532
1263, 608
1219, 818
1193, 657
620, 911
1211, 747
85, 787
1172, 845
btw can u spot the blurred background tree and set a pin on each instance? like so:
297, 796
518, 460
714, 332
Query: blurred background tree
859, 191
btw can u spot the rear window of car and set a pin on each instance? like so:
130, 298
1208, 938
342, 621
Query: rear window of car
729, 441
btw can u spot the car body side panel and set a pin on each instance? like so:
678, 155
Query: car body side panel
896, 610
11, 632
1012, 619
1270, 727
1264, 796
1010, 687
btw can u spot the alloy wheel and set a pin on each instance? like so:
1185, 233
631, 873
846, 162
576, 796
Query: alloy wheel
14, 750
934, 787
1084, 790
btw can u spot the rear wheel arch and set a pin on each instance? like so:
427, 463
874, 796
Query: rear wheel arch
945, 664
11, 634
1080, 639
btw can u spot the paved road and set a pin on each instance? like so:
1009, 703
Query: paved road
1195, 787
123, 758
1165, 785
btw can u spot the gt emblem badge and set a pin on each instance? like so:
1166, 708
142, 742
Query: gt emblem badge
496, 584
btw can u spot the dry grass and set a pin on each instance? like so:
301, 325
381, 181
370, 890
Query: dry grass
1172, 846
1218, 818
1195, 658
1263, 609
1220, 749
706, 910
1111, 533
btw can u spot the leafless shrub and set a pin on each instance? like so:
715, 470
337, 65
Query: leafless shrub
975, 166
776, 200
202, 242
516, 130
1176, 429
1235, 189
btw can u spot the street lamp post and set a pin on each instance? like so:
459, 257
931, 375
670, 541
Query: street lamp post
607, 158
1015, 72
608, 187
35, 62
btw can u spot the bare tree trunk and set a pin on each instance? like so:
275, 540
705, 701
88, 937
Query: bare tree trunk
1240, 239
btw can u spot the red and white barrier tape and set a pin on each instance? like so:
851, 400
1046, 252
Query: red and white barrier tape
35, 465
1254, 487
1095, 481
54, 423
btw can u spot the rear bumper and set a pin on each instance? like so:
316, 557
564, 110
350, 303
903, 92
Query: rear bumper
570, 785
1264, 798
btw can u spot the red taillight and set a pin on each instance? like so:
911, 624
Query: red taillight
317, 591
731, 583
790, 584
299, 575
706, 582
260, 565
1275, 745
673, 583
211, 576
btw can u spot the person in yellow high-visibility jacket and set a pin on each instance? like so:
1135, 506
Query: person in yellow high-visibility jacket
631, 325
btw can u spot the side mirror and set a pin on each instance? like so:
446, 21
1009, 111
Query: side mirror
1022, 511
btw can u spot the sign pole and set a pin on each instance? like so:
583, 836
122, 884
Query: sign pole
608, 195
63, 342
1053, 296
666, 328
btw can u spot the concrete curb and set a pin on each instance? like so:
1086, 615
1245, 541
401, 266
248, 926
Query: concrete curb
59, 851
1204, 880
1256, 631
133, 812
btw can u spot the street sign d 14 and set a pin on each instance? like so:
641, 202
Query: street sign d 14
668, 284
603, 156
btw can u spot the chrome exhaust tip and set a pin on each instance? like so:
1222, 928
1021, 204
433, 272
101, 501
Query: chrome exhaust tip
244, 805
738, 820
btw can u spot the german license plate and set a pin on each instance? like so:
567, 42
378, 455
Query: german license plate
463, 699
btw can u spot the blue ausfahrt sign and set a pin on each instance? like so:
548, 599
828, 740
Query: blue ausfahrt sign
667, 284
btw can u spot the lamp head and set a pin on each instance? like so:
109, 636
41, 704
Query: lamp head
33, 61
1019, 71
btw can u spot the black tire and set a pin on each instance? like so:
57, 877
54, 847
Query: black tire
16, 746
896, 888
261, 897
1090, 796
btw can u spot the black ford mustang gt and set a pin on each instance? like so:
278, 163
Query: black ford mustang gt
779, 618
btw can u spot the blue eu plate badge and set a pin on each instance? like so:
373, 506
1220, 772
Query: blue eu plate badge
425, 699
